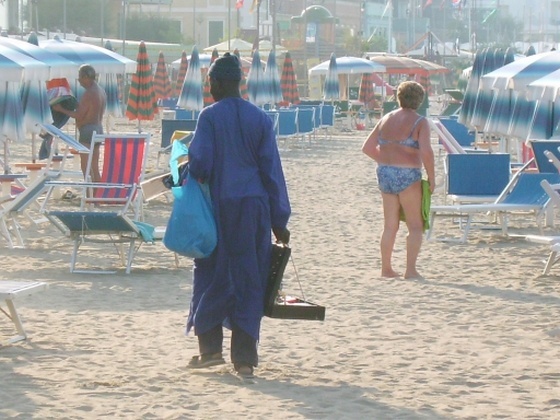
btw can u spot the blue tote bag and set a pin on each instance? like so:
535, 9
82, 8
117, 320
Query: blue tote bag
191, 229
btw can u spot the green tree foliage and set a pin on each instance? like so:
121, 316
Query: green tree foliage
151, 27
83, 17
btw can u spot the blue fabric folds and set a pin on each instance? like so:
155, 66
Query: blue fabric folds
191, 229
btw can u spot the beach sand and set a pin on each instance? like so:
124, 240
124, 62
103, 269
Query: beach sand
474, 339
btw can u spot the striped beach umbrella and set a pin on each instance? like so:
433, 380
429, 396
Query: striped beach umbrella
366, 93
181, 75
142, 103
190, 96
111, 85
255, 82
288, 81
332, 86
11, 119
272, 80
162, 86
243, 83
36, 108
206, 95
102, 59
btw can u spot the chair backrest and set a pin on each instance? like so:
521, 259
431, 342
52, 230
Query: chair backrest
459, 131
478, 173
306, 120
317, 115
327, 115
541, 160
28, 195
446, 139
287, 122
528, 189
124, 161
186, 114
168, 127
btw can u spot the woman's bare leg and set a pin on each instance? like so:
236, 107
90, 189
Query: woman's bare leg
411, 201
391, 208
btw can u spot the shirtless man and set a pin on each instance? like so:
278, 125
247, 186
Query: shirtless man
88, 116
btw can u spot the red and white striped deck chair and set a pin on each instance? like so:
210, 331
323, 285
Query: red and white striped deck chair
123, 163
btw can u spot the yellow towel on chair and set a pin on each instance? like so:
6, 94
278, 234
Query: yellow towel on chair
426, 204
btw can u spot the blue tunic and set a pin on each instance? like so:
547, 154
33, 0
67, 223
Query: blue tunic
234, 149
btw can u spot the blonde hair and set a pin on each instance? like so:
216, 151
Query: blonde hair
410, 94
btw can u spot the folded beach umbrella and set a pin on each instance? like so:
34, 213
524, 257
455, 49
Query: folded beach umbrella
35, 103
162, 86
255, 82
288, 81
272, 79
366, 93
109, 82
190, 96
509, 84
332, 86
181, 74
206, 95
142, 103
11, 118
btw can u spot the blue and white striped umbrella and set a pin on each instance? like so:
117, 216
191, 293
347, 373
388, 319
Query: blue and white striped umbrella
483, 63
59, 67
191, 92
493, 59
111, 87
511, 81
332, 85
35, 103
11, 118
102, 59
17, 67
272, 79
259, 94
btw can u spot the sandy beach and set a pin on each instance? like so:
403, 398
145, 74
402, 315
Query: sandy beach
474, 339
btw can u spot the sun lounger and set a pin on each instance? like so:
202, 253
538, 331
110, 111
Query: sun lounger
11, 290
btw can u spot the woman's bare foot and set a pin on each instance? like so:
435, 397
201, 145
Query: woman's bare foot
413, 275
389, 273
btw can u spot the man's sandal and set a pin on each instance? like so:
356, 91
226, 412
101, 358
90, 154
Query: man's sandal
206, 360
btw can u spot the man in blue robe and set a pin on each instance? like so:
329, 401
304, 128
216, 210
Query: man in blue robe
234, 150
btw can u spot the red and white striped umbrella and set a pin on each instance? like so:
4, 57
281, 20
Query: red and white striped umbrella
142, 103
162, 86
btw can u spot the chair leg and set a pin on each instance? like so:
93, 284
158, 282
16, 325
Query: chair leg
552, 259
14, 316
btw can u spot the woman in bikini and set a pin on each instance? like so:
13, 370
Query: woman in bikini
400, 144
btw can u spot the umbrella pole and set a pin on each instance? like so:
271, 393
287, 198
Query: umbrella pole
6, 151
33, 148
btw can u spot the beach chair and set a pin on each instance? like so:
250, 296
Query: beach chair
9, 292
168, 127
327, 119
287, 123
110, 210
103, 227
546, 153
523, 193
552, 241
454, 137
467, 177
306, 122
